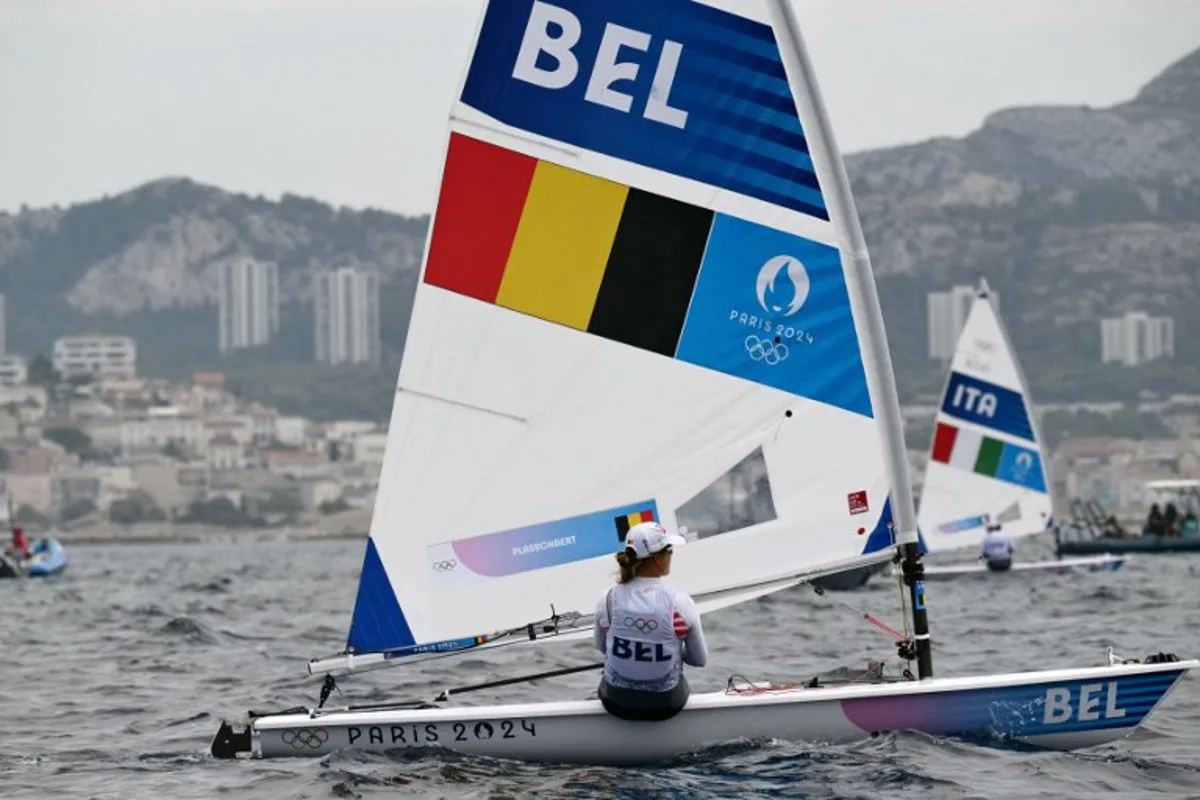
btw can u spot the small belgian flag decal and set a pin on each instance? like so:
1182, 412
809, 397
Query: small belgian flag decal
627, 521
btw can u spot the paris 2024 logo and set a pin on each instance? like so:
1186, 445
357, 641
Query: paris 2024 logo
781, 289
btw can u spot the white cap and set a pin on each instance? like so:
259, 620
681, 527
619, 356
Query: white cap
647, 538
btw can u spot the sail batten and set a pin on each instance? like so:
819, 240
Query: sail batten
634, 258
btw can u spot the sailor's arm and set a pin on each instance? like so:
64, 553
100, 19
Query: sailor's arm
688, 628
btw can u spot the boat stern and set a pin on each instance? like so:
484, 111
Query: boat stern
231, 742
293, 733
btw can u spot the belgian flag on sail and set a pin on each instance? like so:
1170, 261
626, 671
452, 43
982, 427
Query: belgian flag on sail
627, 521
565, 246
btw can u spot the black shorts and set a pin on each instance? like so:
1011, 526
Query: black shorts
639, 706
1000, 565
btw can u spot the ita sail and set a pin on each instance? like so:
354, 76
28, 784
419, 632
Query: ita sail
635, 285
986, 464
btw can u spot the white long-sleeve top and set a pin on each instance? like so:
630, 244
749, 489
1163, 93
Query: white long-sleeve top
652, 631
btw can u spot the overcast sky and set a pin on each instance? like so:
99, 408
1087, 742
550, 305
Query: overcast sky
346, 100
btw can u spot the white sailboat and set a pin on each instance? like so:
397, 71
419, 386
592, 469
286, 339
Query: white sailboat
643, 272
987, 466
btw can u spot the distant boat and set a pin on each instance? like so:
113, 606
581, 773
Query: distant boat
986, 464
1092, 532
47, 557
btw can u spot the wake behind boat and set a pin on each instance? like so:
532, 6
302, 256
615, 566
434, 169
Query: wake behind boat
987, 468
717, 306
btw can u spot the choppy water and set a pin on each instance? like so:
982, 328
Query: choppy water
115, 676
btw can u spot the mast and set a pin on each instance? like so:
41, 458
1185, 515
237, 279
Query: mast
877, 359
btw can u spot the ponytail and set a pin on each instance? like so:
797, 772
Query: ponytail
631, 565
628, 562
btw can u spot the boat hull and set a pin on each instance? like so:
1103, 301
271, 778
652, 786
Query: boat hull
1058, 709
1101, 563
1140, 544
49, 558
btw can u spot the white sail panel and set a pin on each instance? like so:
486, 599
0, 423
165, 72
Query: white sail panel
986, 461
619, 303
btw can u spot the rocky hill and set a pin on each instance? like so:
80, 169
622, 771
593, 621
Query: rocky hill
146, 263
159, 246
1071, 212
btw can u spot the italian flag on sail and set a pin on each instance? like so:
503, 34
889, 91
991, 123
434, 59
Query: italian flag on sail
967, 450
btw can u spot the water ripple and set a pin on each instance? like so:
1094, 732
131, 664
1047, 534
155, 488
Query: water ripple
115, 676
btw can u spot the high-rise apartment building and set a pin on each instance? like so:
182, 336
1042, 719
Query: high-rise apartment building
249, 303
347, 316
947, 315
1136, 338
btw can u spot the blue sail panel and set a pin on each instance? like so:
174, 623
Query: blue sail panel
988, 405
882, 536
703, 93
378, 622
773, 308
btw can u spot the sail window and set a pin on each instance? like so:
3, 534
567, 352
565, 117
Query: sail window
739, 498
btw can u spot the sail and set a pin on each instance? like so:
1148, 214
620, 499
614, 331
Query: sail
633, 287
986, 460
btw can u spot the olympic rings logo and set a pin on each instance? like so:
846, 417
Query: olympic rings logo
301, 738
445, 566
765, 350
640, 624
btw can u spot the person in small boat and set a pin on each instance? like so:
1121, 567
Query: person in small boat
647, 631
1155, 524
1171, 520
1190, 527
20, 545
1113, 528
997, 549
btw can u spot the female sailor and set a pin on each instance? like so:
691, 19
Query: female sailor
647, 631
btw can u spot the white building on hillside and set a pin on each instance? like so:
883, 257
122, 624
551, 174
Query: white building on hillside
347, 316
98, 356
947, 315
1136, 338
249, 303
13, 371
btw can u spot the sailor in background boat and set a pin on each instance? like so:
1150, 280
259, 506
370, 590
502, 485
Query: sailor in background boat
20, 545
647, 631
997, 549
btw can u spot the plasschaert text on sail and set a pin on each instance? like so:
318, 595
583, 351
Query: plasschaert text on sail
547, 544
